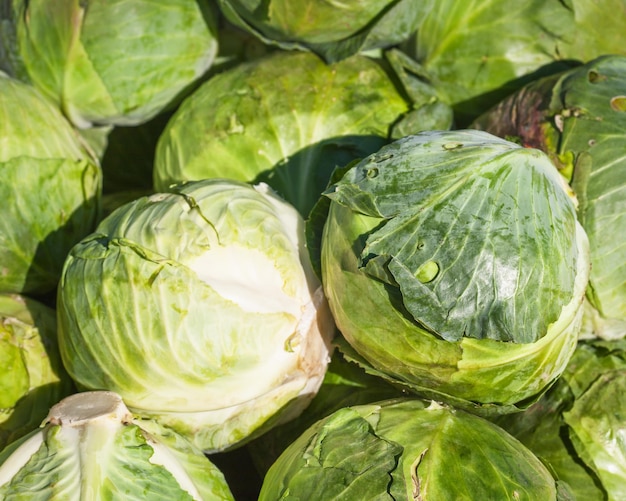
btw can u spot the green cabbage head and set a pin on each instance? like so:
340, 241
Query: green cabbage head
407, 450
116, 62
334, 30
454, 263
200, 308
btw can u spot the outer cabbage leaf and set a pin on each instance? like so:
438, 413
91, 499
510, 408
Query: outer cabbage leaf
600, 436
597, 30
49, 186
341, 458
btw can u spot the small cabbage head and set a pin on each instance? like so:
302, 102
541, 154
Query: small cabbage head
116, 62
405, 450
50, 187
200, 308
90, 446
454, 263
32, 378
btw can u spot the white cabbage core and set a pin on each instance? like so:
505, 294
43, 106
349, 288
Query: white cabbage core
246, 277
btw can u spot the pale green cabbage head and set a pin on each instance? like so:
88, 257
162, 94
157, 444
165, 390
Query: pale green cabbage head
200, 307
32, 377
288, 119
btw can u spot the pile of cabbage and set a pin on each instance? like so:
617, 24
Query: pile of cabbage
349, 250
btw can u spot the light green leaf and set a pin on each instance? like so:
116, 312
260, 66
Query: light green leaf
597, 429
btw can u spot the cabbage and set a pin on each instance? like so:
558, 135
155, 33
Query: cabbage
454, 264
200, 308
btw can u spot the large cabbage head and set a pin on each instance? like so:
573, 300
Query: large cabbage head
406, 450
90, 446
49, 186
109, 62
32, 378
200, 308
453, 263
